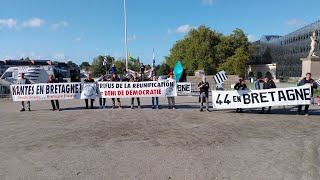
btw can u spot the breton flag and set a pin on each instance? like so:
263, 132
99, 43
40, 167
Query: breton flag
220, 77
153, 60
318, 82
105, 61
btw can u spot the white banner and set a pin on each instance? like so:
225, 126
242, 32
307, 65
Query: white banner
89, 91
184, 87
261, 98
45, 91
137, 89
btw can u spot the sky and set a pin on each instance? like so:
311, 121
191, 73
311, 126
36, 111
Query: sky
78, 30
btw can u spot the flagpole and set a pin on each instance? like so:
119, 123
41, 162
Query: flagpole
125, 34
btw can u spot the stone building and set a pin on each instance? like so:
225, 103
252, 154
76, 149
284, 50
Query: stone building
279, 56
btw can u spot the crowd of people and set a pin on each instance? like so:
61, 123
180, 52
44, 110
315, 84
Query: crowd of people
203, 87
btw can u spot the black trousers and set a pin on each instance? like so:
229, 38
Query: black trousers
55, 105
306, 109
86, 100
132, 101
102, 101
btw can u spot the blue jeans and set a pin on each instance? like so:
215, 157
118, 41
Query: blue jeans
157, 101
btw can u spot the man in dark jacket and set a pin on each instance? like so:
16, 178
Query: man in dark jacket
52, 80
313, 84
204, 93
115, 78
241, 85
268, 84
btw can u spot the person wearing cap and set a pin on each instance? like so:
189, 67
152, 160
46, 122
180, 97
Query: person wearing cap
171, 99
115, 78
313, 84
102, 101
267, 84
22, 80
135, 78
240, 85
54, 103
89, 80
204, 93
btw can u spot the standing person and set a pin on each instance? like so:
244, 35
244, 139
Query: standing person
23, 80
135, 79
115, 78
171, 99
256, 84
240, 85
89, 80
154, 78
102, 101
313, 84
268, 84
54, 105
142, 69
204, 93
113, 69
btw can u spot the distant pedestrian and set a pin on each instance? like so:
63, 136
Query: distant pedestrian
256, 84
154, 78
268, 84
22, 80
313, 84
89, 80
54, 103
171, 99
135, 78
115, 78
102, 101
204, 93
240, 85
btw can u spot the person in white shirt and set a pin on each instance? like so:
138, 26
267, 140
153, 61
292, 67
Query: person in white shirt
23, 80
171, 99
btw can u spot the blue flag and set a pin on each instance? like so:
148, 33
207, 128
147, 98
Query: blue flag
178, 70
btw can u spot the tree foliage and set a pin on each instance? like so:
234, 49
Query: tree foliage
208, 50
85, 65
72, 65
97, 68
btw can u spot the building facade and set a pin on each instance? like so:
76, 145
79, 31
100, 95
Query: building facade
279, 56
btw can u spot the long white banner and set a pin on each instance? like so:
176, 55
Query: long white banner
61, 91
137, 89
261, 98
184, 87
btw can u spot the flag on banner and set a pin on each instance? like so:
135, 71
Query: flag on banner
105, 61
318, 82
220, 77
178, 70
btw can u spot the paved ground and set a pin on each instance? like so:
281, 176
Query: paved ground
156, 144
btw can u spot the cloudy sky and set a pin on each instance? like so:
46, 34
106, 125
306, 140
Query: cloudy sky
79, 30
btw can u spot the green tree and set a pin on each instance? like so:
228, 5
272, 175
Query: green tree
97, 68
162, 69
120, 65
72, 65
85, 65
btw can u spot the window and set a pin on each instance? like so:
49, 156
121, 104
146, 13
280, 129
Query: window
7, 75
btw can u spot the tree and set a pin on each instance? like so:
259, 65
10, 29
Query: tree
97, 68
162, 69
84, 65
72, 65
120, 65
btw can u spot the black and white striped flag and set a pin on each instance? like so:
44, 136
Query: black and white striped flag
318, 82
105, 61
220, 77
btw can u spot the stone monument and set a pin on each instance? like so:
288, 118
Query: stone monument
312, 62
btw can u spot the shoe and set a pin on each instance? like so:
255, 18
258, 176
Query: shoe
104, 107
29, 109
152, 107
54, 109
201, 110
120, 107
91, 107
59, 109
21, 110
169, 107
306, 114
100, 107
87, 107
139, 107
208, 110
261, 112
158, 107
174, 107
112, 107
131, 106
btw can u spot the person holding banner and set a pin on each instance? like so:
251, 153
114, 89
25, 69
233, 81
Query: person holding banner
135, 78
240, 85
102, 101
52, 80
171, 99
204, 93
89, 80
268, 84
23, 80
256, 84
115, 78
154, 78
313, 84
